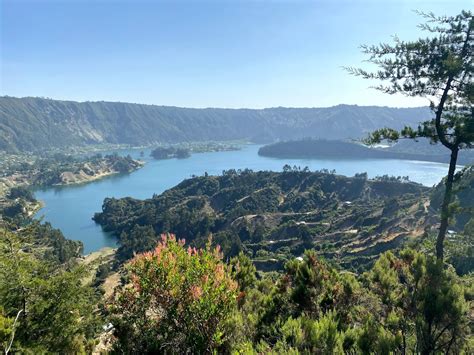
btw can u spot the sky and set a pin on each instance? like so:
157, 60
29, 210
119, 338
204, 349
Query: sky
234, 54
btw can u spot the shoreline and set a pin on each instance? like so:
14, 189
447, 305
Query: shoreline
41, 204
9, 184
99, 176
32, 207
145, 177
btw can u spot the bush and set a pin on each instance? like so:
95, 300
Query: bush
177, 302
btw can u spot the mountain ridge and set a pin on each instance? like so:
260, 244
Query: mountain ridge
26, 124
207, 107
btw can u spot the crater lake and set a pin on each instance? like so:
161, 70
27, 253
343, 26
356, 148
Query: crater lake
70, 208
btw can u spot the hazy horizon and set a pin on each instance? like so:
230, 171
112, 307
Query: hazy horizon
202, 54
210, 107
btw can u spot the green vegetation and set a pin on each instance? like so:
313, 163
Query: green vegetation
170, 152
32, 124
178, 301
312, 148
211, 146
184, 150
311, 262
275, 216
440, 69
60, 169
44, 305
184, 300
21, 173
41, 239
462, 200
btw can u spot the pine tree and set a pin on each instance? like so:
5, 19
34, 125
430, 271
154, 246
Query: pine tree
440, 68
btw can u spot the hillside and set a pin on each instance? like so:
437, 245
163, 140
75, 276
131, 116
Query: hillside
29, 124
334, 149
58, 169
275, 216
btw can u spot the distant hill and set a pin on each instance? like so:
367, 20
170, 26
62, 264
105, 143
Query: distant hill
335, 149
31, 124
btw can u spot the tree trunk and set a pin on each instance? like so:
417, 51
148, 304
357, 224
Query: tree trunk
446, 201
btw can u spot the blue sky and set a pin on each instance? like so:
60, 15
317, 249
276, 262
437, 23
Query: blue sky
202, 54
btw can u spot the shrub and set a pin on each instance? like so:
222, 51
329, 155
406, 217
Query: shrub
177, 302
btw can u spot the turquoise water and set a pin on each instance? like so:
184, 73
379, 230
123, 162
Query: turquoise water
71, 208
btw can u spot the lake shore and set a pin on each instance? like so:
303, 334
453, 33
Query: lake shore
71, 208
85, 174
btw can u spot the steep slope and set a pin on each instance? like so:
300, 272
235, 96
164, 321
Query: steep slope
28, 124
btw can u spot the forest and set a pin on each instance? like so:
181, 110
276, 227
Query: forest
268, 262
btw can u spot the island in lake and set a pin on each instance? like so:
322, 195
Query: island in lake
184, 150
170, 152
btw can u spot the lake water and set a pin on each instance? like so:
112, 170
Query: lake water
71, 208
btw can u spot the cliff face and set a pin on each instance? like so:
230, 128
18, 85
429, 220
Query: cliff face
29, 124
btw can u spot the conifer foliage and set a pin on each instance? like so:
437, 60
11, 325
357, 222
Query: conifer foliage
441, 69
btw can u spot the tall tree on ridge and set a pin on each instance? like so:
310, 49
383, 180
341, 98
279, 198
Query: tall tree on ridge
439, 68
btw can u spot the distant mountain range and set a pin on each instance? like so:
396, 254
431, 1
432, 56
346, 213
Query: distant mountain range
32, 124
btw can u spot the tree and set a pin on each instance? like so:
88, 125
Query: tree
138, 240
243, 271
177, 302
44, 308
21, 192
439, 68
423, 303
7, 334
317, 288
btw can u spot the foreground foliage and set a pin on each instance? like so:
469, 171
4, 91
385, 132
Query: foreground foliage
54, 311
177, 301
405, 304
183, 300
